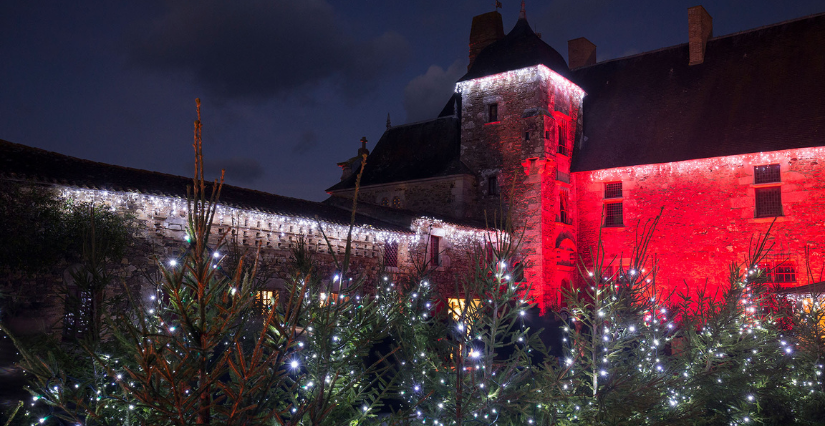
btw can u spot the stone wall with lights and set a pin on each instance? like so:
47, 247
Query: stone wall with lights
519, 148
708, 214
162, 238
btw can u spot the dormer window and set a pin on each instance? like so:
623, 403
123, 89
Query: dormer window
492, 113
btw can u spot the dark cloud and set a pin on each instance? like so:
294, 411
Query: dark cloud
257, 49
306, 143
426, 94
238, 169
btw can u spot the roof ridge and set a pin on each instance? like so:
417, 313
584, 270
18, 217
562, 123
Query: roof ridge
750, 30
421, 122
160, 174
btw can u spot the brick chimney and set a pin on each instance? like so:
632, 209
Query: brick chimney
581, 52
700, 29
487, 29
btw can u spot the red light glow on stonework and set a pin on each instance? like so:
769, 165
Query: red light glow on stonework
709, 215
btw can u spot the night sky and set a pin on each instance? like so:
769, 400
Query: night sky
288, 87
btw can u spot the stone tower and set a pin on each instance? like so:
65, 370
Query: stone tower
519, 121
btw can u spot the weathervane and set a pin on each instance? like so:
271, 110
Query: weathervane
498, 4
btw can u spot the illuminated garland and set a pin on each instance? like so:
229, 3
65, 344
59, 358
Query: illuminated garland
519, 76
156, 207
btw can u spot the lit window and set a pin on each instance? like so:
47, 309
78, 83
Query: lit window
265, 300
385, 202
396, 202
391, 254
492, 113
457, 307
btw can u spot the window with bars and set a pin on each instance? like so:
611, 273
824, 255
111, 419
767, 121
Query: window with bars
564, 214
613, 190
435, 251
391, 254
613, 214
766, 174
768, 201
492, 113
561, 132
780, 272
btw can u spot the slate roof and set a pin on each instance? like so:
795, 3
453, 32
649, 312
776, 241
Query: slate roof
759, 90
413, 151
520, 48
21, 162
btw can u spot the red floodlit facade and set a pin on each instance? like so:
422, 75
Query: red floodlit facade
709, 215
724, 136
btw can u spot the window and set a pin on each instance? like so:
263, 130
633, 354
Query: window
435, 251
613, 190
492, 185
561, 132
766, 174
613, 214
767, 200
613, 209
396, 202
460, 308
779, 272
391, 254
564, 216
385, 202
527, 136
492, 113
265, 300
78, 315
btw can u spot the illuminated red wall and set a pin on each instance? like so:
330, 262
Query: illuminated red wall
708, 219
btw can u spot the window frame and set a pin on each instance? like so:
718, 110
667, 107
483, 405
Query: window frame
391, 254
492, 185
492, 112
434, 248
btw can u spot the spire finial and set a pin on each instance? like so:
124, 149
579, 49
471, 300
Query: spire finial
523, 13
389, 123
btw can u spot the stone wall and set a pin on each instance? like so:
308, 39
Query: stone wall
449, 196
708, 219
162, 238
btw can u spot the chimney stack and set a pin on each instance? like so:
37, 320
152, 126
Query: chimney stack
700, 29
487, 29
581, 52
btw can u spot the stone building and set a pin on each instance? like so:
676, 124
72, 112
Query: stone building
250, 219
725, 134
